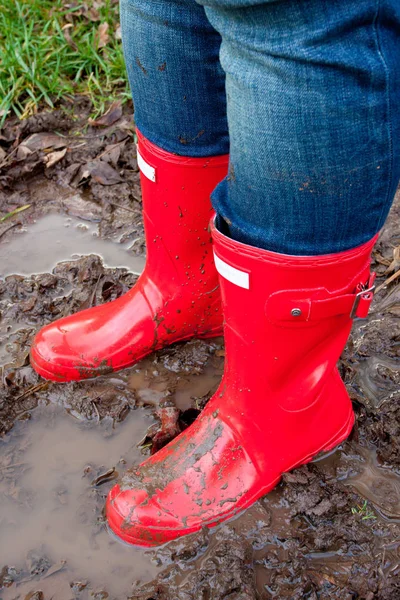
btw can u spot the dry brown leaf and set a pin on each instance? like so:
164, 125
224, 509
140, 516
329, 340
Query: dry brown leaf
109, 118
381, 259
2, 154
23, 152
92, 14
54, 157
104, 174
112, 153
68, 38
102, 35
395, 264
43, 141
100, 171
82, 208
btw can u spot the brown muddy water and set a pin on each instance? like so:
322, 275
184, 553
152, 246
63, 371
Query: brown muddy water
48, 473
37, 247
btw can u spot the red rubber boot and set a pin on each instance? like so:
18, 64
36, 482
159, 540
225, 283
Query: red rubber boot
281, 400
177, 297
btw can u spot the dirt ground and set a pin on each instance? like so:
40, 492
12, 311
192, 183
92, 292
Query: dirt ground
330, 530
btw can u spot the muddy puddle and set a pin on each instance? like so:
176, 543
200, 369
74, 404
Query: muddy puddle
51, 474
37, 247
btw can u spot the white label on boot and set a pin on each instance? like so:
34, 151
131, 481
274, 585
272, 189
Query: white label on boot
232, 274
146, 169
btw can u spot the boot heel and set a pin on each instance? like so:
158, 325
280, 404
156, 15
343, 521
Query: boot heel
334, 445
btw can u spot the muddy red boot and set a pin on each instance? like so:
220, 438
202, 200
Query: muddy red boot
177, 297
281, 400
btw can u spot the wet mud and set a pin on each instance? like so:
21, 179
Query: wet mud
330, 530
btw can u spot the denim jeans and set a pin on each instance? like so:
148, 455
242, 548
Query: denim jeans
305, 96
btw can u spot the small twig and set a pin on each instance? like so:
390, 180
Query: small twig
12, 466
76, 147
123, 207
11, 227
97, 411
93, 296
382, 260
32, 390
5, 161
385, 283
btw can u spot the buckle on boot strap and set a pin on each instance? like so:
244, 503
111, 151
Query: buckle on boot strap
363, 299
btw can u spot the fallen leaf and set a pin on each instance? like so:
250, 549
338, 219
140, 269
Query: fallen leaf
102, 35
103, 173
42, 141
54, 157
98, 170
92, 14
395, 264
23, 152
83, 209
68, 38
118, 33
111, 116
2, 154
72, 171
112, 153
27, 305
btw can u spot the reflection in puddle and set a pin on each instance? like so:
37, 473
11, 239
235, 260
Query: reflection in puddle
49, 504
152, 383
55, 237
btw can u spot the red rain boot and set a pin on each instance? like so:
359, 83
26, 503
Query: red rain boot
281, 400
177, 297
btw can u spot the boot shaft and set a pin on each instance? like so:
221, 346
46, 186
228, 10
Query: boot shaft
177, 209
287, 318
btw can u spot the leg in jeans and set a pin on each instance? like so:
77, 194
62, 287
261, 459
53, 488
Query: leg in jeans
313, 91
314, 139
180, 109
178, 85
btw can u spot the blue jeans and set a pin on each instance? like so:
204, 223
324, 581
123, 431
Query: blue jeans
304, 94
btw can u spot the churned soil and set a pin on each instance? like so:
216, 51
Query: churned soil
331, 529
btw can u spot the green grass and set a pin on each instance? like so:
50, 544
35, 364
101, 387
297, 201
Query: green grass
363, 511
39, 67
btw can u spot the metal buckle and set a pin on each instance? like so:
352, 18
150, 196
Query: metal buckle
357, 299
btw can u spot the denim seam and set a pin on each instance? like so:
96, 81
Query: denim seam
388, 105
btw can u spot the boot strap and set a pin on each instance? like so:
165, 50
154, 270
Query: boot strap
294, 306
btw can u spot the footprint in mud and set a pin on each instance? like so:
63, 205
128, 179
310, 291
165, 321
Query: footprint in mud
379, 378
379, 485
